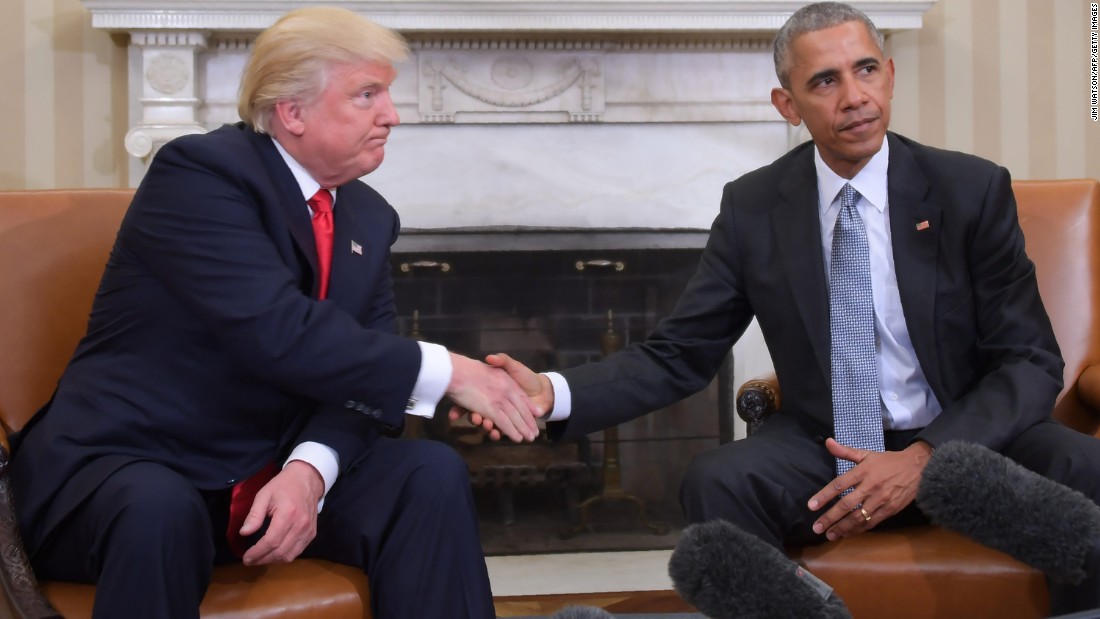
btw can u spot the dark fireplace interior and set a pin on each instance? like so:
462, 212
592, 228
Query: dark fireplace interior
554, 299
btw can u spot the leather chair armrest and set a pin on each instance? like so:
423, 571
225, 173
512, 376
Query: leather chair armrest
757, 399
1088, 389
20, 596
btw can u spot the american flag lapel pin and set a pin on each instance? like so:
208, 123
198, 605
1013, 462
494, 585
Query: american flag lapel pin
356, 248
923, 225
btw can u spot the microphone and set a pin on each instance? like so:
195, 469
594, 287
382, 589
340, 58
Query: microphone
726, 572
582, 612
972, 490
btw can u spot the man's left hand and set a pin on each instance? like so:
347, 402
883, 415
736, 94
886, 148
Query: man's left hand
883, 484
290, 501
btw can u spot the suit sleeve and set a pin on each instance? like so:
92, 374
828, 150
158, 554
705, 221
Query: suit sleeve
680, 357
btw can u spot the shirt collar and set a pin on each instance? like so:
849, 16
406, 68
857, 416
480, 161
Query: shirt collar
305, 181
870, 182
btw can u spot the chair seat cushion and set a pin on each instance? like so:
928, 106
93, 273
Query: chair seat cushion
303, 588
926, 572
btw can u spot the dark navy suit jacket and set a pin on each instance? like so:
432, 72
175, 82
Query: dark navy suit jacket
967, 288
206, 349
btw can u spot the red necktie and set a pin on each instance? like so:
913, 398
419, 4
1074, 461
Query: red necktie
244, 494
321, 203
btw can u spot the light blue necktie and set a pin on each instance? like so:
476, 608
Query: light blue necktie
857, 413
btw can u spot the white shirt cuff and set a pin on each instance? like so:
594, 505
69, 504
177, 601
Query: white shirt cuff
321, 457
431, 382
563, 400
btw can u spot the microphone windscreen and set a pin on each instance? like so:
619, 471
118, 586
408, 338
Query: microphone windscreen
582, 612
726, 572
972, 490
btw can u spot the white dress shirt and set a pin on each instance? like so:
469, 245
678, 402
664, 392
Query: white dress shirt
908, 401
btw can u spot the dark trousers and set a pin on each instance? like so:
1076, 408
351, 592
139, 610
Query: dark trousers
762, 484
404, 513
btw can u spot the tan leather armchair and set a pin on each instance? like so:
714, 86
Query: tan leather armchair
53, 247
925, 572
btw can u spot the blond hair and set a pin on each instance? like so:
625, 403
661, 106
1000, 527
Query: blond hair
291, 59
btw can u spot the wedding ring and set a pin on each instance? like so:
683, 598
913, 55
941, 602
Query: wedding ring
866, 516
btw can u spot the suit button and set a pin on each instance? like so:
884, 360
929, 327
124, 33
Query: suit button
349, 404
361, 407
231, 482
375, 412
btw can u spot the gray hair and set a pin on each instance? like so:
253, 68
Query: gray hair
811, 18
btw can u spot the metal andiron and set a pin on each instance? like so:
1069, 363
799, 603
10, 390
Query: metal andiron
610, 342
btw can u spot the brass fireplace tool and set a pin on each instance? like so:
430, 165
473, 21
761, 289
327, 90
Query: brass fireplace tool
610, 342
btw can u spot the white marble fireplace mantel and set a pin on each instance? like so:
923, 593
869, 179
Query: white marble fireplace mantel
578, 113
494, 15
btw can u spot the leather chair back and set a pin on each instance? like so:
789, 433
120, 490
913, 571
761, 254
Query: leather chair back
53, 247
1061, 224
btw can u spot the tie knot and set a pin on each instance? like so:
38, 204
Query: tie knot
848, 196
321, 202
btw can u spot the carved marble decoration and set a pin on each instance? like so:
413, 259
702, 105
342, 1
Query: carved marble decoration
144, 140
167, 73
169, 89
671, 75
491, 87
512, 72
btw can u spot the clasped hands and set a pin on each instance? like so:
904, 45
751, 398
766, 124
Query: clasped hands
501, 396
883, 484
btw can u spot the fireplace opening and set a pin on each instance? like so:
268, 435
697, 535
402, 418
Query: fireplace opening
554, 299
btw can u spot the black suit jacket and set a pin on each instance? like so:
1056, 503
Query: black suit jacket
206, 349
967, 290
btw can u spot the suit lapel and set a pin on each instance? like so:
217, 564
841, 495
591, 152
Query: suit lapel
915, 228
797, 231
350, 251
290, 199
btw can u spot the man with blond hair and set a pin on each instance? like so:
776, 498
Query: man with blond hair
242, 343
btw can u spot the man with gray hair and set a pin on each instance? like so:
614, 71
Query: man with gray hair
893, 291
240, 382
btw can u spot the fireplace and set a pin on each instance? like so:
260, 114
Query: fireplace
556, 298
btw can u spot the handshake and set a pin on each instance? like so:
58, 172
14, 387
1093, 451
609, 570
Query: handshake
501, 396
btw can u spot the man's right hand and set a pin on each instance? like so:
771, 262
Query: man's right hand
536, 386
498, 400
290, 501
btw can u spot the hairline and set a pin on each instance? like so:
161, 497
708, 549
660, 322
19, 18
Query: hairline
311, 72
814, 18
